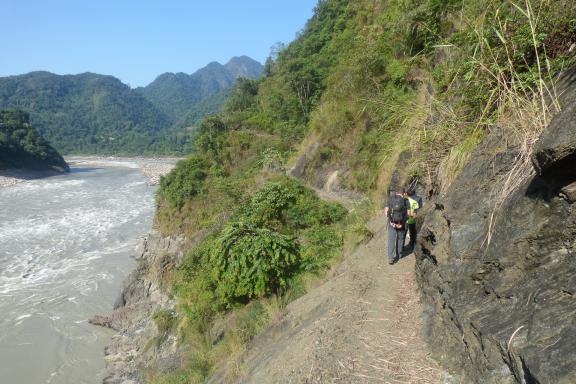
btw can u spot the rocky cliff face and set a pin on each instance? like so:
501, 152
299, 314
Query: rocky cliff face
138, 347
500, 284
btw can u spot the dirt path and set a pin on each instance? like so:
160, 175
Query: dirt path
361, 326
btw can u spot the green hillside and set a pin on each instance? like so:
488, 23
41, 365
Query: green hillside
91, 113
366, 83
85, 113
21, 146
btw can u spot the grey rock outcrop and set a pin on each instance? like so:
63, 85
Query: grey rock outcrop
504, 310
138, 347
556, 149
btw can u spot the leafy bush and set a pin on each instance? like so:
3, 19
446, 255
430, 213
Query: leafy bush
242, 96
251, 262
267, 206
284, 229
285, 204
208, 136
184, 181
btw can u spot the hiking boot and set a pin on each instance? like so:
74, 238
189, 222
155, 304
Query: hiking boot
392, 262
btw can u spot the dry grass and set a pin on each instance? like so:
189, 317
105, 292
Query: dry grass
524, 108
519, 103
398, 354
447, 142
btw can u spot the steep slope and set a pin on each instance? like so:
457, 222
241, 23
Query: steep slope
21, 146
84, 113
177, 93
370, 96
360, 326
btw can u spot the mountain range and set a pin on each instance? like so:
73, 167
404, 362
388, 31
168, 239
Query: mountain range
93, 113
175, 93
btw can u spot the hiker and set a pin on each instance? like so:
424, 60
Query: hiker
397, 211
414, 202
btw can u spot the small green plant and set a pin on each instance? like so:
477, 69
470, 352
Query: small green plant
165, 321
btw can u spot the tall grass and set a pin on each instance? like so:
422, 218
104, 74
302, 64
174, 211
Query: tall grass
524, 101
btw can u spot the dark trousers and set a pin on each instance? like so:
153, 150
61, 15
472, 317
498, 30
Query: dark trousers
396, 239
412, 231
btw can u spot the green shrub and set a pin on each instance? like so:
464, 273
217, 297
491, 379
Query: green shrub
250, 262
267, 206
195, 285
322, 244
184, 181
286, 205
242, 96
309, 210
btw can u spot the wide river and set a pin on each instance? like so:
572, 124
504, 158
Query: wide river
65, 246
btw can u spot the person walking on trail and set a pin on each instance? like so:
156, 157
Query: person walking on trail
411, 221
397, 211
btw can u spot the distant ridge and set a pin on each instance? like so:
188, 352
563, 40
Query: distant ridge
176, 94
84, 113
93, 113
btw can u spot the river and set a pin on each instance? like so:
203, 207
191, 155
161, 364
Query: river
65, 247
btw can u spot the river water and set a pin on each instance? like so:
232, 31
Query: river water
65, 247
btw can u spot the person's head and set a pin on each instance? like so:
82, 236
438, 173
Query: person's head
411, 191
402, 191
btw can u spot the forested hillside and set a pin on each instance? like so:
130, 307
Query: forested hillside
84, 113
21, 146
91, 113
367, 88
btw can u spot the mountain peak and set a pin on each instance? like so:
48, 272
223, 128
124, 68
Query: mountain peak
175, 94
244, 66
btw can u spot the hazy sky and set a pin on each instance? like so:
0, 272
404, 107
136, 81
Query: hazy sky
136, 40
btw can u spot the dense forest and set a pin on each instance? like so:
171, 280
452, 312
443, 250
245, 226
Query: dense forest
21, 146
363, 83
91, 113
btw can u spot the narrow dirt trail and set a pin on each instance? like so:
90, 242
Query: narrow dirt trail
361, 326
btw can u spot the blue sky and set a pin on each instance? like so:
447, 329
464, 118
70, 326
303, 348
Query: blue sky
138, 40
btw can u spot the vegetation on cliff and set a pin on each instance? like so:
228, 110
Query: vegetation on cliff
21, 146
365, 82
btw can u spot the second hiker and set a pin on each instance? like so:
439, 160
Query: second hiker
415, 205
